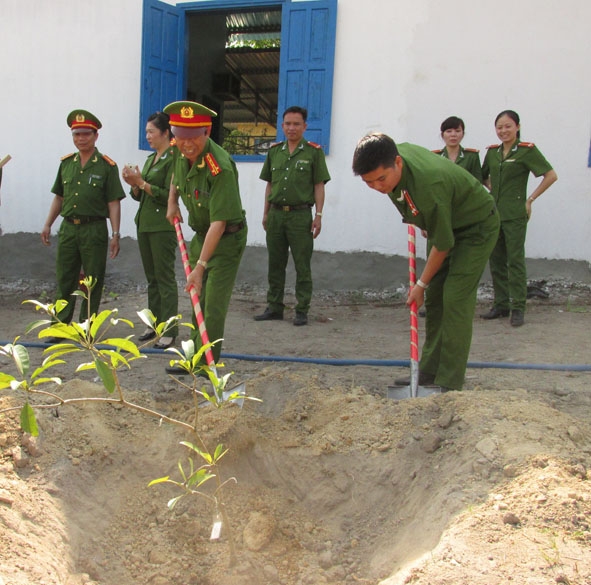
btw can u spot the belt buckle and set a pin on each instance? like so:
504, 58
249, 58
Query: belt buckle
286, 208
76, 221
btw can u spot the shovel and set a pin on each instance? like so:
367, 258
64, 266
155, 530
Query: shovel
239, 388
414, 390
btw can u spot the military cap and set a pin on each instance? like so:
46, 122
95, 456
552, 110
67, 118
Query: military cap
189, 114
83, 119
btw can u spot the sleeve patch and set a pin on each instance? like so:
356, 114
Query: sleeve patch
212, 164
109, 160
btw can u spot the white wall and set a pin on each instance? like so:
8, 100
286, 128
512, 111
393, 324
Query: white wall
401, 68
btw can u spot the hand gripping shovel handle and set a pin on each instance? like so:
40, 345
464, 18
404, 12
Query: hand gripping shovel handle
414, 321
193, 293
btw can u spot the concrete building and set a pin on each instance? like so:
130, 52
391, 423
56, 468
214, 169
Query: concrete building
399, 67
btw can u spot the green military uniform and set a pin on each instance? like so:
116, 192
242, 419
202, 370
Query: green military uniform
157, 238
508, 179
289, 221
83, 238
468, 159
209, 189
459, 215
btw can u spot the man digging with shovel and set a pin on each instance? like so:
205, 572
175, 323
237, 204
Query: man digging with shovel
462, 224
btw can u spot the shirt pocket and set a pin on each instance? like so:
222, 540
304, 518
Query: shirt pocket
96, 181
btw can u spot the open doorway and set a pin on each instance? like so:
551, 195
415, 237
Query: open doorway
233, 62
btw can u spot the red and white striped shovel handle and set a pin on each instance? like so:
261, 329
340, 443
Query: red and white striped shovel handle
193, 294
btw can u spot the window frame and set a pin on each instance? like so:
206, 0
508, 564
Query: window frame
320, 97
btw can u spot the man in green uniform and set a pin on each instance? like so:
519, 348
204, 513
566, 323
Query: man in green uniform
296, 172
87, 191
462, 224
206, 179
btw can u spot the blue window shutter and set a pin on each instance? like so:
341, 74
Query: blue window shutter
163, 56
308, 32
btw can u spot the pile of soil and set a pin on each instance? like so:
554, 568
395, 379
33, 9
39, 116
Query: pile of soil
335, 482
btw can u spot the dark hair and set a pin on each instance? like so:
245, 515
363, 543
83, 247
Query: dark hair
297, 110
373, 151
161, 121
452, 123
511, 114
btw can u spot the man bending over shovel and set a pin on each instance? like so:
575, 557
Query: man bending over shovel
462, 224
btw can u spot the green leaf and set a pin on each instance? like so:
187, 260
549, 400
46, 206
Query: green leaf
19, 385
106, 375
147, 317
60, 349
124, 344
20, 355
126, 321
36, 324
159, 480
172, 503
45, 366
57, 381
219, 452
203, 454
98, 321
6, 380
28, 421
198, 478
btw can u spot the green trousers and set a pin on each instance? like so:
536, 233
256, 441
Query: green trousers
450, 303
289, 230
218, 282
81, 247
507, 265
158, 253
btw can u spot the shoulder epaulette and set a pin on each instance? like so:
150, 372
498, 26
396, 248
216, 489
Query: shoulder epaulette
526, 144
109, 160
314, 144
275, 144
493, 146
471, 150
173, 141
67, 156
212, 164
437, 151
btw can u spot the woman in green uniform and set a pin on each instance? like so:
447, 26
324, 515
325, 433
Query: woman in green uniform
452, 133
506, 171
156, 237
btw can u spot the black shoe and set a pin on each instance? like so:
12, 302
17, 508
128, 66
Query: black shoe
495, 313
147, 335
425, 379
300, 319
269, 315
517, 318
176, 371
54, 340
164, 342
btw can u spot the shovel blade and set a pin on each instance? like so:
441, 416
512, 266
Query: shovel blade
238, 392
403, 392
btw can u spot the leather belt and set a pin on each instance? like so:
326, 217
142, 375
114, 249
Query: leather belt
290, 207
83, 219
230, 229
236, 227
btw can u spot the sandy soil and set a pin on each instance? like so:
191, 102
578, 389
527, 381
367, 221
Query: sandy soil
336, 483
